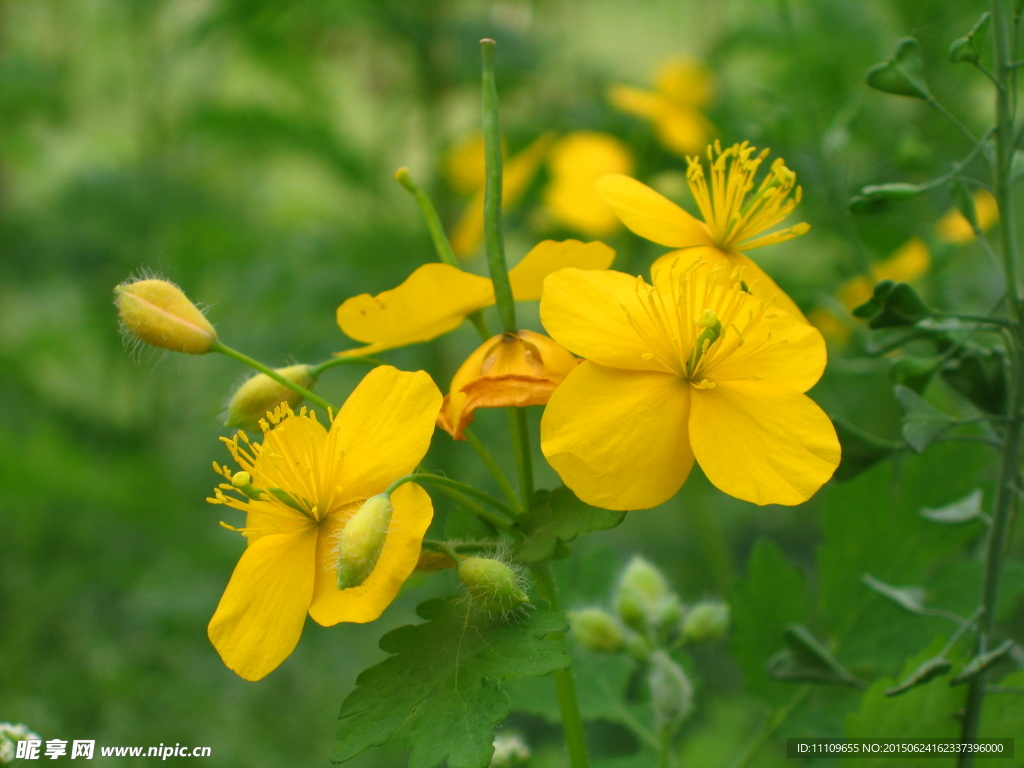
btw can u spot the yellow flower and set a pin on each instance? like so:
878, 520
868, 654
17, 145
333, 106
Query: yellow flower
517, 174
735, 214
510, 369
682, 88
953, 227
690, 368
576, 162
436, 298
298, 489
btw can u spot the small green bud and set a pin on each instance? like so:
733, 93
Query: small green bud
671, 690
637, 647
260, 394
706, 621
596, 630
903, 74
492, 585
642, 586
667, 612
362, 540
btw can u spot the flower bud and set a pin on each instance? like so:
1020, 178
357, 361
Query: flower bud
492, 585
362, 540
596, 630
671, 690
642, 586
667, 612
510, 751
10, 735
158, 313
260, 394
706, 621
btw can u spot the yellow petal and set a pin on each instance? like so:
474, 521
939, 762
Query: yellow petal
650, 215
433, 300
761, 443
409, 522
527, 277
910, 262
577, 161
597, 314
684, 81
259, 619
682, 130
618, 438
384, 429
517, 174
634, 101
506, 370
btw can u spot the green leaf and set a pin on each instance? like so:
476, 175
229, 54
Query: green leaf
443, 683
861, 450
968, 47
771, 597
908, 598
915, 372
981, 662
893, 305
807, 660
962, 511
980, 375
558, 516
963, 198
903, 74
923, 423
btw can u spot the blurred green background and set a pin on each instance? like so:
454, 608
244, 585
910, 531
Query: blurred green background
244, 149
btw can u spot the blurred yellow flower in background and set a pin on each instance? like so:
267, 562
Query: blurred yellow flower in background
576, 162
691, 368
954, 228
682, 87
735, 213
436, 298
465, 169
298, 489
510, 369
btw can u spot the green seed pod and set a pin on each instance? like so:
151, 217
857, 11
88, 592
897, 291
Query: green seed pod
706, 621
596, 630
362, 540
260, 394
492, 585
671, 690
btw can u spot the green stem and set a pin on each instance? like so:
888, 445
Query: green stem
493, 239
480, 511
572, 723
1005, 492
774, 722
334, 362
495, 469
466, 490
665, 747
313, 398
524, 463
441, 244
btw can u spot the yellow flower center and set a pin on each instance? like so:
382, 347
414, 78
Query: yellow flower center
696, 317
733, 211
290, 476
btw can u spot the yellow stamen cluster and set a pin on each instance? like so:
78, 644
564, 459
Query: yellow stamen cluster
733, 215
696, 318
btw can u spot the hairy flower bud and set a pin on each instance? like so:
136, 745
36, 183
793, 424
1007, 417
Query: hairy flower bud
362, 540
158, 313
641, 590
492, 585
596, 630
260, 394
671, 690
706, 621
510, 751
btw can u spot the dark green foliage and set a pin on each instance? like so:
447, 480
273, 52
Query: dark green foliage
556, 517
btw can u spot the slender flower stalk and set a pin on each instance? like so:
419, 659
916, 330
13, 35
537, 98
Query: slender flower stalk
1005, 500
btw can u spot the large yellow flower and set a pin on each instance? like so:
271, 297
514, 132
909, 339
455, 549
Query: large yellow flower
691, 367
436, 298
682, 88
735, 213
311, 481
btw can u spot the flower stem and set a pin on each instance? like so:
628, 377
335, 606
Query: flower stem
316, 370
313, 398
463, 489
441, 244
493, 239
1003, 509
572, 723
495, 469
